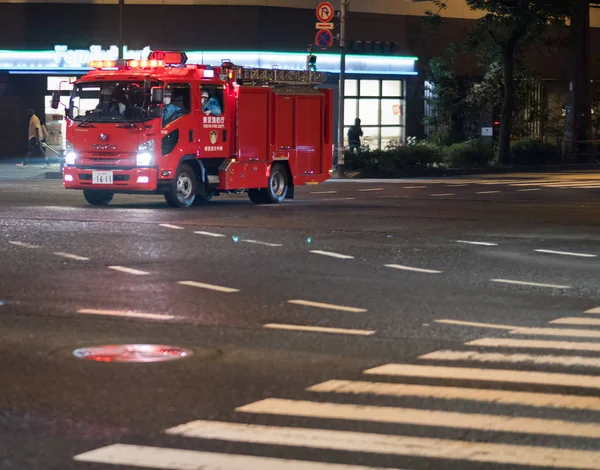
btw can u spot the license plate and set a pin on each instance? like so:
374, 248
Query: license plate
102, 177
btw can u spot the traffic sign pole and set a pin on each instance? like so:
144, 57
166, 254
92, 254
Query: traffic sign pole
342, 88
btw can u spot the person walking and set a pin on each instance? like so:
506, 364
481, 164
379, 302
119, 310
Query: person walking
35, 137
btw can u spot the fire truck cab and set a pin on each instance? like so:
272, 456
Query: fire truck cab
190, 132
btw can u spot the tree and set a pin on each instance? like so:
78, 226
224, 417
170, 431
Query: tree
511, 26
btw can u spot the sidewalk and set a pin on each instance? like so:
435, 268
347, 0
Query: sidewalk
35, 169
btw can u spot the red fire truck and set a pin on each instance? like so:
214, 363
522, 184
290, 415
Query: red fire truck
190, 132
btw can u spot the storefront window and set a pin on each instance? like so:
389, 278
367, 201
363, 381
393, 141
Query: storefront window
380, 106
60, 83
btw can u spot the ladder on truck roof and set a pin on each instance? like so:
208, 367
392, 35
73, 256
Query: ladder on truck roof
257, 76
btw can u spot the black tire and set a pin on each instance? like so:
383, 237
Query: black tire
258, 196
182, 192
277, 188
204, 197
98, 197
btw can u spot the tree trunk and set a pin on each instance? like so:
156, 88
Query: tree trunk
508, 102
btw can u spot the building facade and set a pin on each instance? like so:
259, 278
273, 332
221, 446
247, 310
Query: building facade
46, 44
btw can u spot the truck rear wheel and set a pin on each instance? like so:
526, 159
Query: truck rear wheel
98, 197
276, 190
182, 192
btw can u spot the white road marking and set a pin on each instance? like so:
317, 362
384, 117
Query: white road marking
324, 192
456, 185
341, 199
123, 269
342, 308
487, 375
477, 243
418, 417
534, 343
494, 326
567, 253
179, 459
366, 190
528, 190
330, 253
408, 268
577, 321
488, 192
320, 329
71, 256
122, 313
24, 245
174, 227
443, 194
424, 447
569, 361
532, 284
201, 285
210, 234
556, 332
501, 397
414, 187
256, 242
593, 310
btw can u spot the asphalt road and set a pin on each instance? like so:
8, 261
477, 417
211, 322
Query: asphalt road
416, 324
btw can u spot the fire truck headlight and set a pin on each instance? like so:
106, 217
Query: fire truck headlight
70, 155
145, 155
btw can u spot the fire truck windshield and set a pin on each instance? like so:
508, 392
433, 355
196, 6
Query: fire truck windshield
109, 101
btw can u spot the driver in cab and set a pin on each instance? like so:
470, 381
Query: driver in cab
170, 111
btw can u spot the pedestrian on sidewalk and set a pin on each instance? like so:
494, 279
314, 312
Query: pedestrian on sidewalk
355, 132
35, 137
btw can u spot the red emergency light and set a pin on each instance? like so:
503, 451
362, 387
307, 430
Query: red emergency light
169, 57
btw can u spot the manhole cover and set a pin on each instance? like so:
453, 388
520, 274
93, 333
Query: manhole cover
132, 353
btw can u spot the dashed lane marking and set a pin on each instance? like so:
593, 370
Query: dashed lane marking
419, 417
123, 269
531, 284
323, 192
414, 187
493, 326
501, 397
593, 310
577, 321
257, 242
556, 332
124, 313
488, 192
477, 243
534, 344
210, 234
567, 253
528, 190
319, 329
342, 308
422, 447
442, 194
409, 268
487, 375
174, 227
180, 459
366, 190
332, 254
24, 245
568, 361
340, 199
71, 256
202, 285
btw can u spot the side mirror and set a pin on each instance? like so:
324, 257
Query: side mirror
157, 94
55, 100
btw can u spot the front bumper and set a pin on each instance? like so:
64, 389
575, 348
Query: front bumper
124, 181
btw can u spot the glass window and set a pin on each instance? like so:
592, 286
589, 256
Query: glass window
60, 83
350, 111
368, 112
350, 87
370, 137
391, 88
390, 135
369, 88
391, 112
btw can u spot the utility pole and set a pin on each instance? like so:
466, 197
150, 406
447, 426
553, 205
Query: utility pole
120, 39
342, 88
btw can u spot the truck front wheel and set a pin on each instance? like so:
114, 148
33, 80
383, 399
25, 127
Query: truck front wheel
183, 190
97, 197
277, 189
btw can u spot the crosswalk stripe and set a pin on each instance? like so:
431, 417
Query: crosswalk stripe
391, 445
174, 227
593, 310
502, 397
123, 269
412, 416
567, 253
179, 459
493, 326
342, 308
71, 256
487, 375
577, 321
202, 285
209, 234
534, 343
532, 284
319, 329
577, 361
332, 254
410, 268
556, 332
